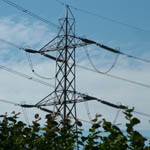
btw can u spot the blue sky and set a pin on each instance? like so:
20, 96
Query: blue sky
19, 28
135, 13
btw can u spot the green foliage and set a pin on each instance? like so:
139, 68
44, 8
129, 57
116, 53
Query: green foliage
65, 135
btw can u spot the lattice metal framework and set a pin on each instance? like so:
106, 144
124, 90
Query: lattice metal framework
64, 96
65, 70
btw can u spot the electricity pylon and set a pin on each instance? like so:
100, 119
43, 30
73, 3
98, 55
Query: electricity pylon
64, 97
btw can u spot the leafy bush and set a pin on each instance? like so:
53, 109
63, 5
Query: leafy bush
64, 135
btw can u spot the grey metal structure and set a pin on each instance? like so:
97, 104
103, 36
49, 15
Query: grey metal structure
62, 49
64, 97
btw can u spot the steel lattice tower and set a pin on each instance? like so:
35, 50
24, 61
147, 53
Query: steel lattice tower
64, 44
65, 70
62, 49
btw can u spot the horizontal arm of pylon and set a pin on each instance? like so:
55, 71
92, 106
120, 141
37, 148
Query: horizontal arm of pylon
85, 98
42, 53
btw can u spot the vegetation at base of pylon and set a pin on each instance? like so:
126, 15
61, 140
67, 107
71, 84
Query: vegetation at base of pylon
54, 135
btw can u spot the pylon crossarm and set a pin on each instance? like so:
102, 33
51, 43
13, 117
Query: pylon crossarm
88, 98
43, 101
112, 105
58, 48
42, 53
46, 110
57, 43
68, 102
52, 57
31, 51
43, 48
27, 106
39, 107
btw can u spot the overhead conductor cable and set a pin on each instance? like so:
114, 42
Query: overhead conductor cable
25, 76
103, 17
30, 13
79, 66
92, 64
33, 70
111, 49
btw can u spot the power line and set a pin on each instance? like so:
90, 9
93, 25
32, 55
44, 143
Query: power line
25, 76
30, 13
82, 67
116, 51
19, 73
25, 113
79, 66
28, 57
84, 97
117, 115
99, 100
115, 77
103, 17
141, 113
87, 97
86, 68
8, 102
104, 73
112, 76
88, 110
33, 70
11, 44
92, 64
